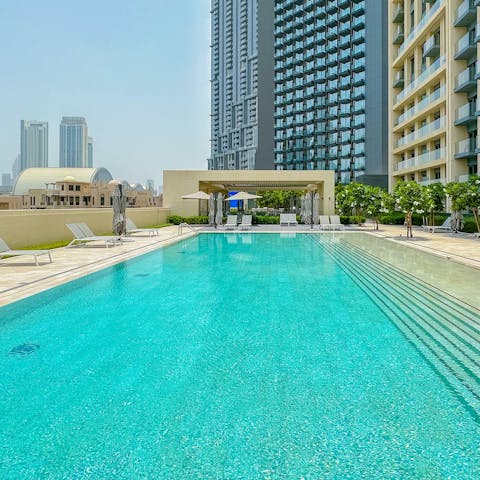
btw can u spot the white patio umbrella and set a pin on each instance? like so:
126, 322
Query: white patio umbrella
197, 196
316, 208
242, 196
211, 209
219, 216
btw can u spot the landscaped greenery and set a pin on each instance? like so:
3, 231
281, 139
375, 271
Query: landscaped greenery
278, 198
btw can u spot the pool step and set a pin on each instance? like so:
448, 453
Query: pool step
439, 326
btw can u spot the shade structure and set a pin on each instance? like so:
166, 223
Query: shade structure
119, 204
316, 208
242, 196
211, 209
197, 196
219, 216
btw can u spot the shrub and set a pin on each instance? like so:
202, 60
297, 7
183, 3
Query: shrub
266, 220
175, 219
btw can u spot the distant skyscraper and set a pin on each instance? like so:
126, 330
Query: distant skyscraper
73, 142
6, 180
33, 144
16, 167
150, 185
90, 152
242, 84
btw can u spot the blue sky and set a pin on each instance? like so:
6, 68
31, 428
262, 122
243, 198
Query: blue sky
138, 70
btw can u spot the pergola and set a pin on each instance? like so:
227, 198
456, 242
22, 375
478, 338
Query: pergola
177, 183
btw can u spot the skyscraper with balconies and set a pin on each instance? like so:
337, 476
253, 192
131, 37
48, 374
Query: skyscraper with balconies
73, 142
331, 88
33, 144
433, 90
241, 84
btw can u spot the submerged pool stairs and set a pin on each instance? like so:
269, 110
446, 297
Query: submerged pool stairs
445, 331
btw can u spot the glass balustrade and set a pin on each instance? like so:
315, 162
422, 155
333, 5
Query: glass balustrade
411, 112
422, 132
420, 160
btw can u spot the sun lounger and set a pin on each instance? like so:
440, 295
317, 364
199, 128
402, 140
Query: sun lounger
324, 222
444, 227
5, 251
335, 223
231, 222
284, 219
132, 228
292, 219
83, 234
246, 223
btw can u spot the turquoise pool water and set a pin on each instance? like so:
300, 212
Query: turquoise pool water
239, 357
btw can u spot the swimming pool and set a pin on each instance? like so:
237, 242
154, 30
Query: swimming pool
241, 356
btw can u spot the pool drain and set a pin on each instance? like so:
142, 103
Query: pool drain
24, 349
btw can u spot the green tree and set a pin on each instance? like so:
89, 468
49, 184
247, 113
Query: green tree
433, 198
408, 197
277, 198
473, 198
458, 194
378, 202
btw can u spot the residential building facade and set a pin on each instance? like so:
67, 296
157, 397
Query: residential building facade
433, 77
241, 85
331, 88
33, 144
73, 143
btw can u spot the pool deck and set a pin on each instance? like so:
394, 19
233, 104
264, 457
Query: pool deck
20, 278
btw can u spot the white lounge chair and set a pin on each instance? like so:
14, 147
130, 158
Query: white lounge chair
324, 222
444, 227
246, 223
132, 228
6, 252
335, 222
83, 234
284, 219
292, 219
231, 222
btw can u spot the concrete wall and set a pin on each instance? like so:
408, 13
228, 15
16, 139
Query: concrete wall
24, 228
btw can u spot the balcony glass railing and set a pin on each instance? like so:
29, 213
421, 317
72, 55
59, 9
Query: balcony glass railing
421, 78
420, 160
465, 76
464, 42
464, 7
467, 145
424, 20
467, 110
421, 132
411, 112
424, 183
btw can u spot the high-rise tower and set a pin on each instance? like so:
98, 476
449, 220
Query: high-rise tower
242, 84
73, 142
330, 88
33, 144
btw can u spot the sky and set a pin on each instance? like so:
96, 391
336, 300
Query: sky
137, 70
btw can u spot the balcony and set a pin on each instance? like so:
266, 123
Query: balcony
424, 131
466, 115
398, 36
431, 47
411, 112
466, 14
425, 183
466, 46
398, 14
436, 65
398, 80
420, 160
423, 21
466, 81
466, 148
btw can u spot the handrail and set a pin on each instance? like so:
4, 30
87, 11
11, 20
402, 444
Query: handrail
183, 225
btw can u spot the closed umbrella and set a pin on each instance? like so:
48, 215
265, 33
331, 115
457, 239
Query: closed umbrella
211, 209
219, 216
119, 205
302, 208
316, 208
308, 208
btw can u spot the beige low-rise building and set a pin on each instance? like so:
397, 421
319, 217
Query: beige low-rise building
45, 188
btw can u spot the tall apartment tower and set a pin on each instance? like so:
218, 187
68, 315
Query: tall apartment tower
33, 144
433, 73
242, 84
73, 142
331, 88
90, 152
